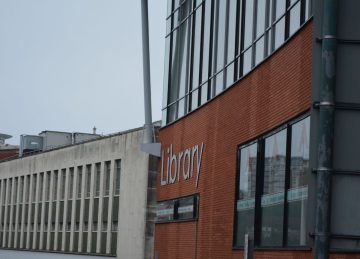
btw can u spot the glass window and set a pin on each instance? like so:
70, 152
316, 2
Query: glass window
196, 54
294, 18
280, 8
166, 71
107, 178
231, 36
21, 191
245, 205
247, 61
97, 179
33, 191
47, 187
183, 45
169, 7
15, 189
206, 49
260, 18
79, 182
117, 176
298, 192
71, 183
63, 181
194, 99
272, 199
55, 185
248, 26
220, 41
41, 186
279, 33
259, 56
88, 181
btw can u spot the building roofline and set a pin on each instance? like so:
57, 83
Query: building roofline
156, 124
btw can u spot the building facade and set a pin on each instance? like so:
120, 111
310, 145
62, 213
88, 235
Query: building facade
94, 197
239, 136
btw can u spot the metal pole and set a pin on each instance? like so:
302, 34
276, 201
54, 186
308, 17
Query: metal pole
326, 129
146, 71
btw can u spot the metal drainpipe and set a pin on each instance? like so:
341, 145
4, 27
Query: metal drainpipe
146, 71
326, 129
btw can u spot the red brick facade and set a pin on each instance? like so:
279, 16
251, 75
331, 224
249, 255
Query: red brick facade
4, 154
275, 92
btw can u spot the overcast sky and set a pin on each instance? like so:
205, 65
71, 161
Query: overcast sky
70, 65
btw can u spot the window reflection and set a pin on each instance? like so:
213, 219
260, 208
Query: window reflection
272, 200
298, 192
245, 206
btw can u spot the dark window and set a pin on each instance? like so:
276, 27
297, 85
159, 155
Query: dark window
79, 182
272, 199
245, 205
107, 178
97, 179
298, 189
272, 189
88, 181
178, 209
55, 185
117, 177
71, 183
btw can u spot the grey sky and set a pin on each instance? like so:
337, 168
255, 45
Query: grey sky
68, 65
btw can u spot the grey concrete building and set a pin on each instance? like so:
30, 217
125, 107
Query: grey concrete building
94, 197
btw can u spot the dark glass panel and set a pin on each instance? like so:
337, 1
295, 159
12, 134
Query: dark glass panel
298, 192
272, 200
245, 207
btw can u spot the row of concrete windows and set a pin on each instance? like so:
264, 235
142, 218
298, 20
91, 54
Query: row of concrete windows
210, 44
70, 210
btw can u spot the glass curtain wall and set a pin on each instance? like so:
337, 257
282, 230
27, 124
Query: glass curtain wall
210, 44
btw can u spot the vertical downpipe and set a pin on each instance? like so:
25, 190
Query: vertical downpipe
326, 129
146, 71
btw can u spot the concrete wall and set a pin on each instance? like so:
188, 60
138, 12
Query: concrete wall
132, 198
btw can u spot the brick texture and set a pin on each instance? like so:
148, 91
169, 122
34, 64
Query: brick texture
277, 91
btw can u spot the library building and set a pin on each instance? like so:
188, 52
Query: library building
259, 133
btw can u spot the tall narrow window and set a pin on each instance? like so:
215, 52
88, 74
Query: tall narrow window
245, 206
206, 61
33, 191
248, 36
196, 59
55, 185
220, 41
97, 179
297, 193
231, 36
48, 181
63, 181
16, 183
41, 186
88, 181
117, 176
79, 182
107, 178
272, 199
71, 183
21, 191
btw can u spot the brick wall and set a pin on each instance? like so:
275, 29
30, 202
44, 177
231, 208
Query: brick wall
277, 91
8, 153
